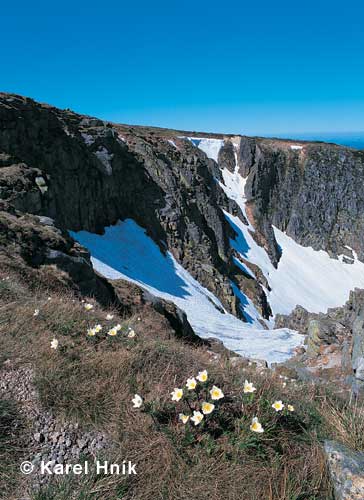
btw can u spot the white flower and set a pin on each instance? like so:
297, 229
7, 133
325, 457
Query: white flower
109, 317
207, 408
97, 328
177, 394
54, 344
117, 327
290, 408
216, 393
88, 307
202, 376
197, 417
248, 387
131, 334
112, 332
137, 401
191, 383
36, 312
183, 418
278, 405
91, 332
256, 426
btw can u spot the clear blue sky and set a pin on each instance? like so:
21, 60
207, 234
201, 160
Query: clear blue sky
240, 66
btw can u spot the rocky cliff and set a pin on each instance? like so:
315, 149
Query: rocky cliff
85, 174
310, 190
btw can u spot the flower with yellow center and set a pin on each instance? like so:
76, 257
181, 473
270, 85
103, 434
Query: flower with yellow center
54, 344
183, 418
197, 417
131, 334
88, 307
137, 401
91, 332
256, 426
248, 387
112, 332
216, 393
97, 328
177, 394
202, 376
207, 408
278, 405
290, 408
191, 383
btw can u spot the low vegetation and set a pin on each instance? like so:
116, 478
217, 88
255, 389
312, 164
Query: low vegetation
89, 373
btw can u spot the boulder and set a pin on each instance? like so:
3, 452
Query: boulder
346, 469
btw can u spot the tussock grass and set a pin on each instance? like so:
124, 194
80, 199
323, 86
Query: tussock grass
93, 381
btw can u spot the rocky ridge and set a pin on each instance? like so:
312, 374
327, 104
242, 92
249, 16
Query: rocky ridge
85, 173
334, 344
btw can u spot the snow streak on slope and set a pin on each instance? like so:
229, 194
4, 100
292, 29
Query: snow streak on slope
209, 146
126, 252
304, 276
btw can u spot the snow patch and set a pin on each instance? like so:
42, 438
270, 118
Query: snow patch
304, 276
172, 143
211, 147
125, 251
41, 183
296, 147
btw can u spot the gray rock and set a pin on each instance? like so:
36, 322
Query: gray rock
347, 471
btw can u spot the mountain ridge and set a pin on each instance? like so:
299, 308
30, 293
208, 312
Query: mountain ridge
86, 174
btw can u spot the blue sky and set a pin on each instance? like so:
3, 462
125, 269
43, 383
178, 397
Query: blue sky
238, 66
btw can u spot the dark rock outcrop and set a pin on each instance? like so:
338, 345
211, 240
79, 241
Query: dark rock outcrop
86, 174
313, 193
28, 241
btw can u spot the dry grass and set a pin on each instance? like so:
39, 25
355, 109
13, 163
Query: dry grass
345, 421
93, 382
11, 446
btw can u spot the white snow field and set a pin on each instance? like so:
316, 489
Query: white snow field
304, 276
126, 252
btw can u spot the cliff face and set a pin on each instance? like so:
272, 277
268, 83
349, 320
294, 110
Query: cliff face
86, 174
311, 191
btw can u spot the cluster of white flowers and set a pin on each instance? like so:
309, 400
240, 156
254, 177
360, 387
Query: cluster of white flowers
206, 407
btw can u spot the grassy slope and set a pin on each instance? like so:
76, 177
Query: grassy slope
92, 382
